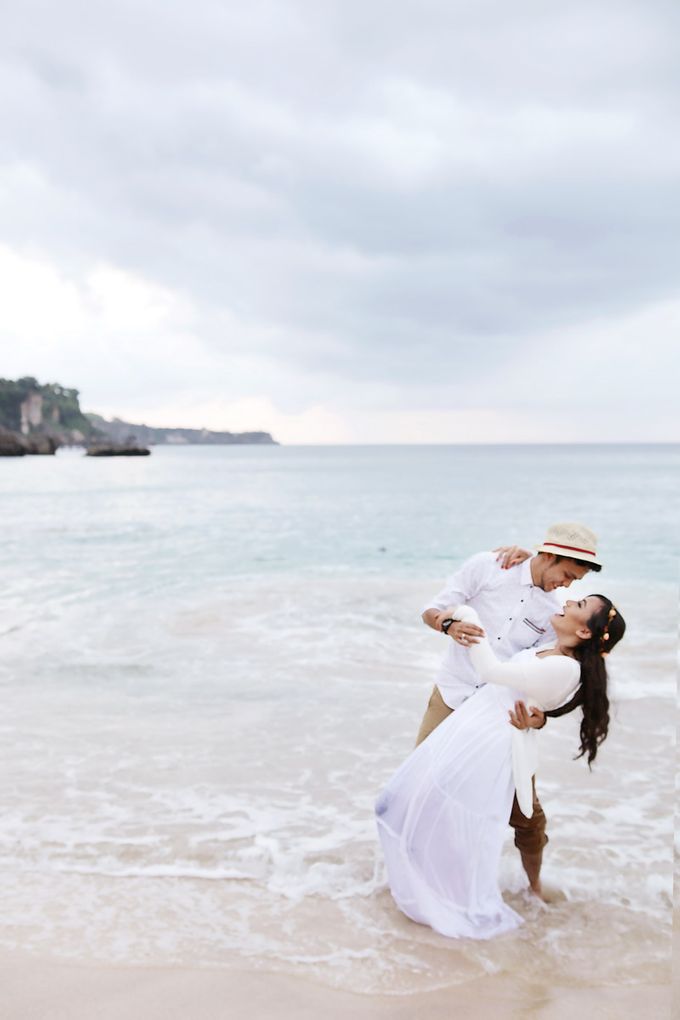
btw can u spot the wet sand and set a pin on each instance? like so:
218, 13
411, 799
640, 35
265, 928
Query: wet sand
35, 988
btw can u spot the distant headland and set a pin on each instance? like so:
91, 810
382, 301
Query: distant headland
39, 418
121, 431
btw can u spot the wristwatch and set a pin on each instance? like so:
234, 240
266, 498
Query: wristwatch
446, 624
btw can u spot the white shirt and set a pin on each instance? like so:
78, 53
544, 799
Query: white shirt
515, 614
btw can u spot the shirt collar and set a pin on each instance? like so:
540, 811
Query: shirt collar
525, 577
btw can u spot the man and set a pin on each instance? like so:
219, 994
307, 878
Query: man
515, 606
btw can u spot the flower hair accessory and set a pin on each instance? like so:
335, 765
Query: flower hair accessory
605, 635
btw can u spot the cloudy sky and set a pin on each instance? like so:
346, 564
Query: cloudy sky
344, 221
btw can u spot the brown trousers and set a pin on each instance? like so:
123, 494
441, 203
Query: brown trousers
530, 836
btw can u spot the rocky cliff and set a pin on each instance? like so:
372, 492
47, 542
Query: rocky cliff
32, 410
41, 416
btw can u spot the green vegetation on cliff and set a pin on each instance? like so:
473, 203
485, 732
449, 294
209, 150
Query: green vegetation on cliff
29, 407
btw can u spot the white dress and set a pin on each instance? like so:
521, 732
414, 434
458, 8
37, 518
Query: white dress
443, 816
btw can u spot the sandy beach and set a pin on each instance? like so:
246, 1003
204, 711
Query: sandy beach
41, 989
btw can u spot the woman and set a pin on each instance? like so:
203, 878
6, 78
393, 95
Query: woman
443, 816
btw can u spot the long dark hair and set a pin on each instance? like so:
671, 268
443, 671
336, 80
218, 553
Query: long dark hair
607, 627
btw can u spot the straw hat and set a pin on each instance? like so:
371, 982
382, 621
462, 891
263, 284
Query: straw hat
572, 540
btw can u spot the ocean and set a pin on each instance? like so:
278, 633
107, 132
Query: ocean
213, 658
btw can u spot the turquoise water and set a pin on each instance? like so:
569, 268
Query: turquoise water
188, 517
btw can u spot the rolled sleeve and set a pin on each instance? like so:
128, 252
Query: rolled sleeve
462, 585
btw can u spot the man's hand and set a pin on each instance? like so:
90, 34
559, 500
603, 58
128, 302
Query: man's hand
524, 718
510, 555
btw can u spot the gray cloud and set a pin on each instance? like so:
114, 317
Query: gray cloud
395, 198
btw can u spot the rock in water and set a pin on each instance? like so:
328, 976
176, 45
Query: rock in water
10, 444
39, 443
116, 450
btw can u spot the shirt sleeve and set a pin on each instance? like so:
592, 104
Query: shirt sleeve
462, 585
548, 681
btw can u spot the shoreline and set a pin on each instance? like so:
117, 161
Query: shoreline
52, 989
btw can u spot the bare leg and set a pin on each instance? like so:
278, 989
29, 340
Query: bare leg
532, 866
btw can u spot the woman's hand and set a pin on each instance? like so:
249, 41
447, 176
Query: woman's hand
465, 634
462, 632
524, 718
510, 555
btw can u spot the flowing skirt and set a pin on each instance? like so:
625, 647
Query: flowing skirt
442, 819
